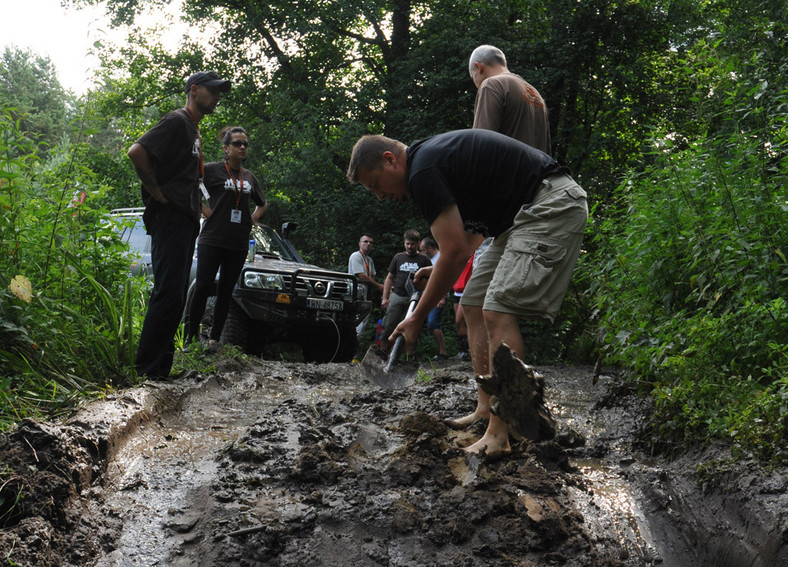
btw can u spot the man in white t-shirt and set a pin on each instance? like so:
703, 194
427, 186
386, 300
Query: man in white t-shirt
363, 267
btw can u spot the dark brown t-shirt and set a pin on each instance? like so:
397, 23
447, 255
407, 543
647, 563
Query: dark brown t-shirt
506, 103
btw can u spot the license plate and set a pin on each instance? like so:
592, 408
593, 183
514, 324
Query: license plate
324, 304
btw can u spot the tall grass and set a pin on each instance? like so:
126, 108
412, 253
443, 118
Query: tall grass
693, 281
68, 308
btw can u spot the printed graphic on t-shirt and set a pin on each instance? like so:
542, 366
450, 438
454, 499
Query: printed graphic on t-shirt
409, 267
229, 185
531, 96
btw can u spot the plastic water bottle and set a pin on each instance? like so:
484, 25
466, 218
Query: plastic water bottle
379, 332
250, 255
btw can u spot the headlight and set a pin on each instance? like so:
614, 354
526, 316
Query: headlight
260, 280
363, 290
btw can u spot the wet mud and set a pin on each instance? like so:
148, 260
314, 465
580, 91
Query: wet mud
284, 464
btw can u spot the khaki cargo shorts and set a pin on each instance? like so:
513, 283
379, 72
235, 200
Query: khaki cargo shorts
527, 269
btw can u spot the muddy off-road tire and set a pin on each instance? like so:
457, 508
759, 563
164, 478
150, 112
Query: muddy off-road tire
236, 328
321, 345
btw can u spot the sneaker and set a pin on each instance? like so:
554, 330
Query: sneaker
462, 355
440, 356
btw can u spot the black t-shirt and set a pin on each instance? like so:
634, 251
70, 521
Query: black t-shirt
402, 265
218, 230
173, 146
488, 175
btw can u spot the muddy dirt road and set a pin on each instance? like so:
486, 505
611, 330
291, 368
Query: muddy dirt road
290, 464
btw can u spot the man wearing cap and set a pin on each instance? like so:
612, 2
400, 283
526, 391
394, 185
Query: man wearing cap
168, 161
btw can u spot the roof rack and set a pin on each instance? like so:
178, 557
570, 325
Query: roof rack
128, 211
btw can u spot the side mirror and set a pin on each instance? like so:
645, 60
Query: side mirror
287, 228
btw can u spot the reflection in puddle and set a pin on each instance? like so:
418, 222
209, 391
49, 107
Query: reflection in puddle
605, 498
163, 475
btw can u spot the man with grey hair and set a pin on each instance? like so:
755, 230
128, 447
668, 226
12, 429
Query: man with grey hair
505, 102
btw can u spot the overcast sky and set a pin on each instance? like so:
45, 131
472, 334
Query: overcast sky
64, 35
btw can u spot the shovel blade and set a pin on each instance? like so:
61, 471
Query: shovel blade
383, 372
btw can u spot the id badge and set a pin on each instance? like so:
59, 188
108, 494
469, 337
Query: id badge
205, 194
235, 215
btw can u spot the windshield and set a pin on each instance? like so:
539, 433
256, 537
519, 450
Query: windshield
268, 242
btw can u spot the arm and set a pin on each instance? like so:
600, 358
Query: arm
258, 212
365, 278
384, 303
456, 247
141, 160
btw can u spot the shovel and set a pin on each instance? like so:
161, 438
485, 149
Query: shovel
381, 368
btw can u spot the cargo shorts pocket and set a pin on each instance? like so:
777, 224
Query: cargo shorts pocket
527, 269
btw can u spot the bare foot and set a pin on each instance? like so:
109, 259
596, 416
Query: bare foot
491, 447
467, 421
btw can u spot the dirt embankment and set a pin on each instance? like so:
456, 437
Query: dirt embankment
288, 464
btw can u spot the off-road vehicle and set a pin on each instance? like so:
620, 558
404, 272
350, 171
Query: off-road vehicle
281, 298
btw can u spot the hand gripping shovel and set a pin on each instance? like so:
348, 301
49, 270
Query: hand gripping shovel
382, 369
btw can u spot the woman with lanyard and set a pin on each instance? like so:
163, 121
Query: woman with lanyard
224, 238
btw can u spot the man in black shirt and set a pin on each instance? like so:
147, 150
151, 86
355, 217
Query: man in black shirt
168, 161
537, 216
395, 296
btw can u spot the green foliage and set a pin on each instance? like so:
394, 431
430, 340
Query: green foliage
693, 276
67, 307
29, 84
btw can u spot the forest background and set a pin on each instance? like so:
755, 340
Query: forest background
670, 113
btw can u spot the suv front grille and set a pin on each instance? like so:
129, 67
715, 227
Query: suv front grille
322, 286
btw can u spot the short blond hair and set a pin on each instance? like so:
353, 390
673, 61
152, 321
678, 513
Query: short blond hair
368, 154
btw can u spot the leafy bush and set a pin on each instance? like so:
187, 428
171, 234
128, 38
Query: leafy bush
67, 305
692, 283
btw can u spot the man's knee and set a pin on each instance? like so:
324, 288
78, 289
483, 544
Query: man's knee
496, 320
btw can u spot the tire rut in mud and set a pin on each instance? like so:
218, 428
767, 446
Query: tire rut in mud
288, 464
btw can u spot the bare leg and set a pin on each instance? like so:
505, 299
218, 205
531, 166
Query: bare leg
504, 327
438, 335
500, 327
478, 342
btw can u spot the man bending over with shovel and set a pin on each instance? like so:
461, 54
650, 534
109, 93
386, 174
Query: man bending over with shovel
470, 184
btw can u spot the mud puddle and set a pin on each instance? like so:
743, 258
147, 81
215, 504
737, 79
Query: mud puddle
285, 464
317, 466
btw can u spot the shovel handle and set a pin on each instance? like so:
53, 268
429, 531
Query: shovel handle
394, 353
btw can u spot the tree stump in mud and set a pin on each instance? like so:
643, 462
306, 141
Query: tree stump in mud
517, 396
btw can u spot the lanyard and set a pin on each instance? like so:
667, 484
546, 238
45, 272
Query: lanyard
191, 117
236, 184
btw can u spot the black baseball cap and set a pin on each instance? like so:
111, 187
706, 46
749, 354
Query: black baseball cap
207, 78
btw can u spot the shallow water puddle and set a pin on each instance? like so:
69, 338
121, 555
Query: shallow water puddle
607, 500
163, 478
